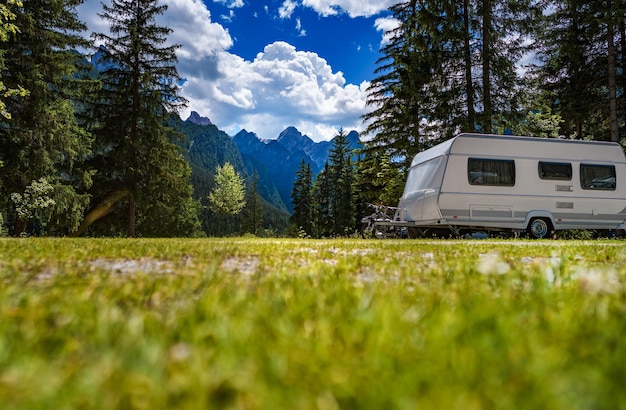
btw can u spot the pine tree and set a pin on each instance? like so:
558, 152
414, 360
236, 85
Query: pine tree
252, 214
302, 199
504, 31
43, 139
341, 178
573, 49
322, 191
445, 63
134, 151
399, 95
7, 29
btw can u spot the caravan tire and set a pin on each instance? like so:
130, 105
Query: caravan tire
539, 228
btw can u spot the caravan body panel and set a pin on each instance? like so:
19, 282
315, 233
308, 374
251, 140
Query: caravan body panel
502, 182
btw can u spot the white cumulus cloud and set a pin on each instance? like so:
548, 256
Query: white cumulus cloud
231, 4
281, 87
386, 25
354, 8
286, 10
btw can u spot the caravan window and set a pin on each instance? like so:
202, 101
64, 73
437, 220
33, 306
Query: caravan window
427, 175
555, 170
496, 172
597, 177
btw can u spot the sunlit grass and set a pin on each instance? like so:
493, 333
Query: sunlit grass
302, 324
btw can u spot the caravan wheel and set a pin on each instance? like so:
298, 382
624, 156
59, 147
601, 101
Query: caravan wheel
539, 228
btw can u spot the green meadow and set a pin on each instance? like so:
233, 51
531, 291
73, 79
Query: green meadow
249, 323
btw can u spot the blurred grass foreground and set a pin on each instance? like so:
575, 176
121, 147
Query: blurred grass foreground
307, 324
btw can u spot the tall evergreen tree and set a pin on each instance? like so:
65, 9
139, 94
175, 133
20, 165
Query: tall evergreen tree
302, 199
578, 53
7, 28
322, 191
504, 32
333, 192
252, 213
138, 163
448, 67
341, 177
43, 141
399, 94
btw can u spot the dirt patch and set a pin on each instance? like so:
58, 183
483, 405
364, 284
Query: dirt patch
244, 265
133, 266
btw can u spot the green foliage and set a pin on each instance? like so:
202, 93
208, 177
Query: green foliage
448, 67
574, 66
302, 198
252, 213
322, 190
134, 146
281, 324
332, 208
540, 124
228, 195
7, 28
400, 94
43, 138
341, 182
206, 147
327, 207
35, 199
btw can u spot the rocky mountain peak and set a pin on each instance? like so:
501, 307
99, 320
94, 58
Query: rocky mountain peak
195, 118
294, 140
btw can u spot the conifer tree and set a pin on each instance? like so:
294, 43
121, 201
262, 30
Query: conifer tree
302, 199
449, 67
581, 52
42, 139
252, 213
7, 29
138, 163
399, 95
322, 191
504, 31
341, 178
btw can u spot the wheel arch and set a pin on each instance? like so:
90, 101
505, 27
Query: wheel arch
539, 214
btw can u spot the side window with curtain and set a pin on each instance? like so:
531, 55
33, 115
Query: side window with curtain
494, 172
555, 170
600, 177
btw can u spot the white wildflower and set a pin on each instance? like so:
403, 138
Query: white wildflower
492, 264
598, 281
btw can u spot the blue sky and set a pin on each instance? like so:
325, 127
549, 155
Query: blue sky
264, 65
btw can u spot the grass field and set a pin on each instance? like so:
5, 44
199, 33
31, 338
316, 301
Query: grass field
312, 324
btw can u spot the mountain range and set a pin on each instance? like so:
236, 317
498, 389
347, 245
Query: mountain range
274, 161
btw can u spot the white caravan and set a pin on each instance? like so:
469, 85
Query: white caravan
505, 183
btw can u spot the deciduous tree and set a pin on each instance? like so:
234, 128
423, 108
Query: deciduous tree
228, 194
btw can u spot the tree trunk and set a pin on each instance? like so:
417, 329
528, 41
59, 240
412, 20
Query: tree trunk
622, 51
469, 86
487, 104
132, 216
103, 209
610, 32
19, 226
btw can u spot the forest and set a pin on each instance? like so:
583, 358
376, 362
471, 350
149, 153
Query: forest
92, 152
